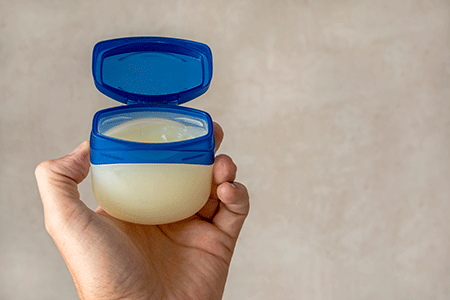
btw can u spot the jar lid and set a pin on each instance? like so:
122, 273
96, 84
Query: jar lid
149, 70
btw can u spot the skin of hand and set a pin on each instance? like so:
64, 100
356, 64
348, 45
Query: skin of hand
113, 259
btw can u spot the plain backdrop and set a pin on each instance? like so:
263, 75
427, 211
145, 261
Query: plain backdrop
337, 114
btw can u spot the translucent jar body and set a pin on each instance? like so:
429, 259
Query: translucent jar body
151, 193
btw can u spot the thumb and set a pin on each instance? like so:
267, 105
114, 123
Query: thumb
57, 182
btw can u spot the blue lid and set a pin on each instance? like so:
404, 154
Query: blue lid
151, 69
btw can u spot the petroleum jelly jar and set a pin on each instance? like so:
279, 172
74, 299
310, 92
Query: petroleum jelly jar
151, 159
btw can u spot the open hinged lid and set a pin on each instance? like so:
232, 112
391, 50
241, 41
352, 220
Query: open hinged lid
151, 69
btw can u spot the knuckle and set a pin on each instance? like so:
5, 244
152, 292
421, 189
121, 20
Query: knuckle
218, 130
48, 228
49, 224
43, 167
234, 167
220, 157
225, 161
245, 192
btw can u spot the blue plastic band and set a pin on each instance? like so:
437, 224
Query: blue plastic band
108, 150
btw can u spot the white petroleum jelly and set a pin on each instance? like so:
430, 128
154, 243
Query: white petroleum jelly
152, 193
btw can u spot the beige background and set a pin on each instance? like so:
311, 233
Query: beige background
337, 114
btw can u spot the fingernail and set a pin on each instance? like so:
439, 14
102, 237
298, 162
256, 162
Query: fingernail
233, 185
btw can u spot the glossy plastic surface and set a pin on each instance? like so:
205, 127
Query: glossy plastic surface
151, 69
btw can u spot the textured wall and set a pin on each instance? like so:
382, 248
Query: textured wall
336, 112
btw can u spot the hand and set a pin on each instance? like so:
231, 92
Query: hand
113, 259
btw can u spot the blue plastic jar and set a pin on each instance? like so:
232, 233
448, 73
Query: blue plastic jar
151, 181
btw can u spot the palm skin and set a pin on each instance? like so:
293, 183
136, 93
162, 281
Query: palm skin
113, 259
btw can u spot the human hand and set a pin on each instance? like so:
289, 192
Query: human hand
113, 259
